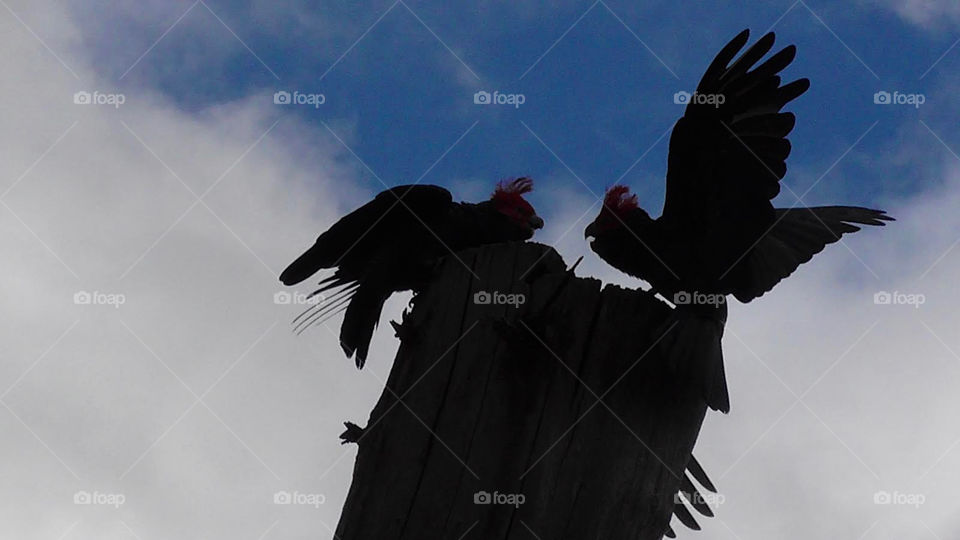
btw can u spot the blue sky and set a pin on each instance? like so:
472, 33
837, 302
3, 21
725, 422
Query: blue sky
598, 80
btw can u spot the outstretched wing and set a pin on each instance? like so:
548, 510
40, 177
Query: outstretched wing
796, 235
356, 239
728, 151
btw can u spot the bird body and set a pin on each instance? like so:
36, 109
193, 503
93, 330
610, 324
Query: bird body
719, 233
392, 243
680, 260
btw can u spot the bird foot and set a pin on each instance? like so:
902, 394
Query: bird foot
353, 434
404, 330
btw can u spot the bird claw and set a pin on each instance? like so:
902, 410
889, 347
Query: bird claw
353, 433
404, 330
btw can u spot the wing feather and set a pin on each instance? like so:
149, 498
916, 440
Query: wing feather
795, 237
354, 239
727, 156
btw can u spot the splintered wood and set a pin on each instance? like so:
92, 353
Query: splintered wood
524, 403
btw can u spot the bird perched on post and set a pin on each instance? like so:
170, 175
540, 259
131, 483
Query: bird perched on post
719, 234
392, 243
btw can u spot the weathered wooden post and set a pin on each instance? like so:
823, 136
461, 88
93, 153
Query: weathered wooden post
554, 418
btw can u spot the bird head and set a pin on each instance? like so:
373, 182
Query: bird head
618, 205
508, 200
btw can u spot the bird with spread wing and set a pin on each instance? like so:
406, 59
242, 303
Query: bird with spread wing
719, 233
392, 244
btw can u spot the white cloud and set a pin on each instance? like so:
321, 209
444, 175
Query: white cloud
926, 13
103, 211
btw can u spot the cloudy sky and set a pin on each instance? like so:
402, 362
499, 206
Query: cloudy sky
147, 364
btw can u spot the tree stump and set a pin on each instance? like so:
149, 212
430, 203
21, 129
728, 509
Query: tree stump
554, 418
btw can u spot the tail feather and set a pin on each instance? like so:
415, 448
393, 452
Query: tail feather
693, 496
796, 236
689, 494
699, 474
693, 349
685, 516
324, 313
346, 289
360, 321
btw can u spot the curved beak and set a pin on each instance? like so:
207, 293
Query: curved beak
589, 232
536, 222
